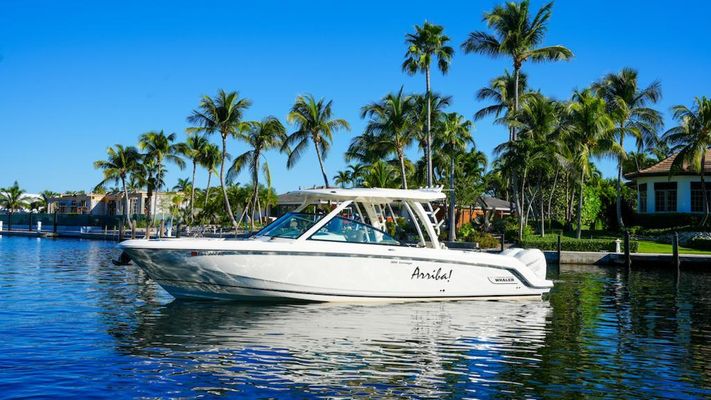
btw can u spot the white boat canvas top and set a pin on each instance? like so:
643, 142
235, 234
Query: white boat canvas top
377, 205
369, 195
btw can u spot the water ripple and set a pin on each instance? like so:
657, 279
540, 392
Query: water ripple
74, 325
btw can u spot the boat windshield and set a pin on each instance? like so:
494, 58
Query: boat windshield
341, 229
290, 225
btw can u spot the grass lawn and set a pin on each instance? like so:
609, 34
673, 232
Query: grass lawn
654, 247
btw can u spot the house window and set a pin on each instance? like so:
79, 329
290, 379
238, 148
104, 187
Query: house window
697, 197
642, 198
665, 196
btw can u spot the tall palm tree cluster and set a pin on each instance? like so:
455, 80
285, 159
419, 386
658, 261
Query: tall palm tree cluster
551, 142
543, 168
144, 166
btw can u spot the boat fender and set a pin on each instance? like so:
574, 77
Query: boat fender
534, 259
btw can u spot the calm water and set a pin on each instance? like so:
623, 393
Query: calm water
74, 325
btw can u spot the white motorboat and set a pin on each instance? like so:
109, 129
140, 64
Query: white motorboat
342, 245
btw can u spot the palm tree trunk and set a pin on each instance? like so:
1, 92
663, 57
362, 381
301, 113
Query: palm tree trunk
317, 143
192, 193
452, 201
401, 157
522, 216
567, 197
259, 209
517, 202
543, 220
705, 200
155, 210
207, 190
125, 204
245, 210
580, 203
222, 183
618, 200
550, 200
516, 94
255, 193
428, 151
149, 201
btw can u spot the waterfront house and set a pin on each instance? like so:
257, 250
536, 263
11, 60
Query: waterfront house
110, 204
661, 190
485, 206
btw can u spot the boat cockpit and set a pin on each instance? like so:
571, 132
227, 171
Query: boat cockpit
368, 216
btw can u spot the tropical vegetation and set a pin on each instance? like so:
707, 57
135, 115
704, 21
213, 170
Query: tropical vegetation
545, 168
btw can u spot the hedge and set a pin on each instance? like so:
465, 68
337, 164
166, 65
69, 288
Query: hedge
665, 220
570, 244
699, 243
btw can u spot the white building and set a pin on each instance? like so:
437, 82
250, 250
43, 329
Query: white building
678, 192
111, 203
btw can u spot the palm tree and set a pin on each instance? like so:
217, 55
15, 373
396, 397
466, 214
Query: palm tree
46, 197
356, 172
538, 122
692, 140
516, 36
314, 122
637, 161
150, 175
453, 138
182, 188
591, 129
209, 160
222, 114
261, 136
121, 163
437, 103
627, 103
184, 185
428, 42
159, 147
343, 178
380, 175
13, 199
389, 129
195, 147
501, 92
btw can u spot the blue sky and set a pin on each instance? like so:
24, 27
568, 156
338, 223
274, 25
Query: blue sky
78, 76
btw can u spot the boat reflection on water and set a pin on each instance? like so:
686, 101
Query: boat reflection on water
331, 349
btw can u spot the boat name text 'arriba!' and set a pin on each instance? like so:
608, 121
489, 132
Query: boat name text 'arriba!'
435, 275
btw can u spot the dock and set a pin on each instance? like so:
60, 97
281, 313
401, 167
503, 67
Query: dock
618, 259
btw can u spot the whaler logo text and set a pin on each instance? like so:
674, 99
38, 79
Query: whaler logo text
436, 275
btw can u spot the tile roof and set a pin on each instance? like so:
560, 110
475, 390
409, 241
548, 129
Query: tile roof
493, 203
663, 167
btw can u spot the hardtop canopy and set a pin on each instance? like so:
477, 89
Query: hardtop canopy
369, 195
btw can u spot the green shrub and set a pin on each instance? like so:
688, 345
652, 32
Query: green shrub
509, 227
664, 231
634, 229
469, 233
699, 243
465, 232
485, 240
570, 244
665, 220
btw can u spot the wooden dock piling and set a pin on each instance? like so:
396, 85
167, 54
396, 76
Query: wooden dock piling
628, 259
675, 250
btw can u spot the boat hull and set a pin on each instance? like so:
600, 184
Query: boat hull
283, 273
